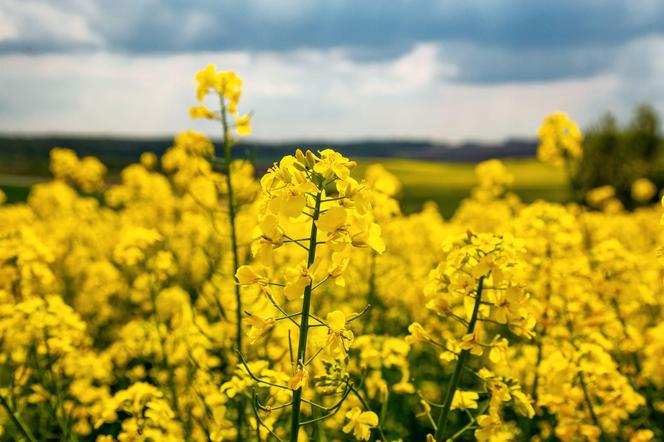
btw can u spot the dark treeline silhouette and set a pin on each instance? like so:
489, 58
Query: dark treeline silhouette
617, 155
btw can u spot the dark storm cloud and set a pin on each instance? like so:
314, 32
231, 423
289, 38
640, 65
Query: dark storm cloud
490, 41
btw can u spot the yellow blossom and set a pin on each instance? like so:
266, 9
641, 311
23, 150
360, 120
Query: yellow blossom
243, 125
360, 423
200, 111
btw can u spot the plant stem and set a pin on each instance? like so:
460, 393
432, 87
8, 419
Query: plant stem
231, 216
236, 261
454, 382
304, 322
17, 421
372, 299
63, 420
466, 427
589, 404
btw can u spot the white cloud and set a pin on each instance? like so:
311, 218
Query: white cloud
311, 94
8, 30
30, 21
641, 67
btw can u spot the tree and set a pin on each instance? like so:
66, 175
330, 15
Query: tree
618, 156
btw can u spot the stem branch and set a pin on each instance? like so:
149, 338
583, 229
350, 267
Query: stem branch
304, 322
443, 418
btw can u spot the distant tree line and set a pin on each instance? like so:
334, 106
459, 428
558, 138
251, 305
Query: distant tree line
618, 155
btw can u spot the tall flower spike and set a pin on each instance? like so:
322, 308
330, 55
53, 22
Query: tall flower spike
297, 212
474, 285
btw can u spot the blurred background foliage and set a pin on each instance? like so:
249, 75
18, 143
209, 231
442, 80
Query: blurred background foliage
618, 154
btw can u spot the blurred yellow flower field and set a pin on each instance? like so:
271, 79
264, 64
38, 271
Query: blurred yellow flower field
196, 301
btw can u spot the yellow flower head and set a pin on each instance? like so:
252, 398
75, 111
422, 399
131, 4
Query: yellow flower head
360, 423
338, 336
643, 190
200, 111
227, 84
243, 125
560, 140
464, 400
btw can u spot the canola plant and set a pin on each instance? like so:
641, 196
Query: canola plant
194, 301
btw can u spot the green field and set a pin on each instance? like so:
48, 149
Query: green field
448, 183
444, 183
17, 187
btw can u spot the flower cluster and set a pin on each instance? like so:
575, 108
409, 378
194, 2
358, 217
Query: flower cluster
477, 286
228, 86
560, 140
86, 173
311, 218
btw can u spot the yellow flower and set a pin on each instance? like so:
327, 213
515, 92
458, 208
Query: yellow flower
379, 179
205, 79
364, 233
598, 196
257, 326
490, 426
338, 335
464, 400
643, 190
560, 140
471, 341
642, 436
299, 379
333, 221
498, 352
227, 84
243, 125
39, 394
200, 111
417, 333
523, 403
338, 266
270, 238
148, 160
333, 164
493, 178
247, 275
360, 423
297, 279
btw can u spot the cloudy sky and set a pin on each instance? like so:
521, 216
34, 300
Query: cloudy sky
334, 69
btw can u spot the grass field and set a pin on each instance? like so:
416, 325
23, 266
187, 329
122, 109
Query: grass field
448, 183
444, 183
17, 187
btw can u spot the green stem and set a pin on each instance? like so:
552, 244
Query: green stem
584, 388
304, 323
589, 404
456, 376
236, 261
258, 424
63, 421
18, 422
466, 427
231, 215
372, 299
